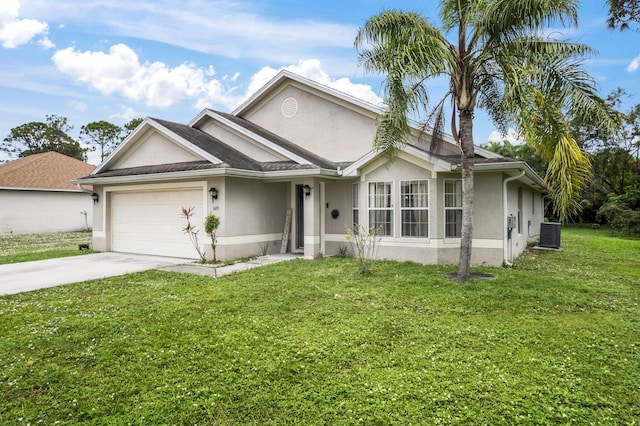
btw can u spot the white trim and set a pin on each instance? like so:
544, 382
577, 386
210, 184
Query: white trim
231, 172
433, 243
286, 74
248, 239
312, 239
483, 243
10, 188
99, 234
169, 186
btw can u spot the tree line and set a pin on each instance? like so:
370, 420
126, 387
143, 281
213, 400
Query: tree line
53, 135
612, 195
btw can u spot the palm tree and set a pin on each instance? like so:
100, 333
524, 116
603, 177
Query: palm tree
501, 61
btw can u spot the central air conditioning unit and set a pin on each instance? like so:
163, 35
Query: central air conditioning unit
550, 234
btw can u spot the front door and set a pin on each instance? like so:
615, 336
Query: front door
300, 217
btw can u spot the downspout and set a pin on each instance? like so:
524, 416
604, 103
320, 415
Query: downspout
79, 185
506, 238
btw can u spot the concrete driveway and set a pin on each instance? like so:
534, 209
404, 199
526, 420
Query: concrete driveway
27, 276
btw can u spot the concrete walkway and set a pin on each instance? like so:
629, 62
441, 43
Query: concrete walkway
215, 272
28, 276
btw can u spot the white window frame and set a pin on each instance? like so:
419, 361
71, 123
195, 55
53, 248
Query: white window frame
452, 208
404, 208
389, 208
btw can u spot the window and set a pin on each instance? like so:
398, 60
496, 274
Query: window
520, 211
452, 208
414, 208
533, 202
355, 206
380, 208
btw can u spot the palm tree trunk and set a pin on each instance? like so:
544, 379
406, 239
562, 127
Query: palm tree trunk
466, 144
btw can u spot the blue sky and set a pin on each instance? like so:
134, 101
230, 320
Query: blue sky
119, 59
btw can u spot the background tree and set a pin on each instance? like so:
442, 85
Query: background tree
622, 13
101, 135
131, 126
37, 137
498, 61
519, 152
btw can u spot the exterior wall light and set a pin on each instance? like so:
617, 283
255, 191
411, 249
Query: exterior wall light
214, 193
95, 197
307, 190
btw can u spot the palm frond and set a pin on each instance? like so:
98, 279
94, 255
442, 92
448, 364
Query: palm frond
568, 173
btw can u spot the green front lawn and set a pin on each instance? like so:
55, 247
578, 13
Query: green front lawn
555, 340
25, 248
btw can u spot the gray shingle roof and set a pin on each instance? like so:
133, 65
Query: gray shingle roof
229, 156
278, 140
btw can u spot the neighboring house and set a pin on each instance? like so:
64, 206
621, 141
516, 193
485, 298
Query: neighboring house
300, 146
37, 196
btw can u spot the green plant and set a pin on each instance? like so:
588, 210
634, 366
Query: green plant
192, 232
619, 216
211, 225
264, 248
364, 243
343, 251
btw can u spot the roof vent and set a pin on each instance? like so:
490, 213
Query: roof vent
289, 107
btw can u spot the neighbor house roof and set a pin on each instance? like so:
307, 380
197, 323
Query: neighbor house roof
47, 171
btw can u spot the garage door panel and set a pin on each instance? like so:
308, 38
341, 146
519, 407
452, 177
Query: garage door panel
151, 222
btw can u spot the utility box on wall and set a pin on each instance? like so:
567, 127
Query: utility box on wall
550, 234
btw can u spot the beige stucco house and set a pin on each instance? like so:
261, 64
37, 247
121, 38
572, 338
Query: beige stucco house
37, 196
297, 146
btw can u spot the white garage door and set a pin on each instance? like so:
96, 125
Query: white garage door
151, 223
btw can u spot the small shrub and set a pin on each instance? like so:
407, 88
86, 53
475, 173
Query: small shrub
343, 251
211, 225
620, 216
364, 243
264, 248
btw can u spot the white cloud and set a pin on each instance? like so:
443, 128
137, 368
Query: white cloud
312, 70
634, 64
127, 114
119, 72
234, 29
15, 32
46, 43
512, 136
78, 106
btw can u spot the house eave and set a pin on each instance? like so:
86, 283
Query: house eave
228, 172
506, 167
10, 188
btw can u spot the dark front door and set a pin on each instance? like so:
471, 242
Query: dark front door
299, 217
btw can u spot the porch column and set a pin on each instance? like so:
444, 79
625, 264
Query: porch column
312, 220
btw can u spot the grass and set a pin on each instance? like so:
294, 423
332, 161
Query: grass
25, 248
554, 340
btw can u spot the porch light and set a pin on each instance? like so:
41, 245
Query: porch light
95, 197
214, 193
307, 190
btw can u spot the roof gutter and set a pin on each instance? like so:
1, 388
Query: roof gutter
79, 185
251, 174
